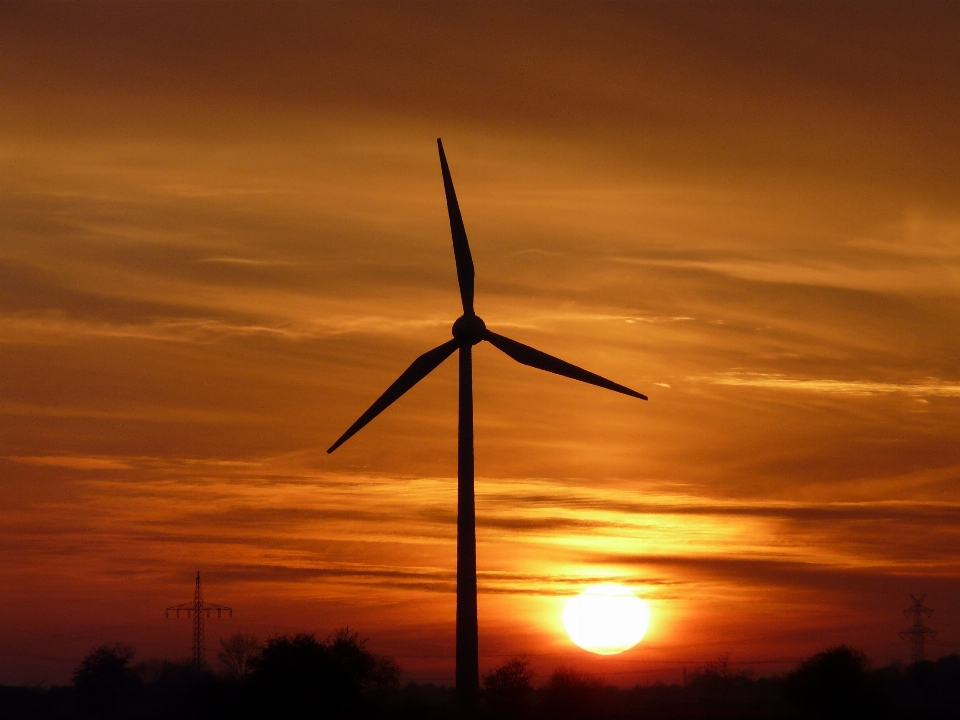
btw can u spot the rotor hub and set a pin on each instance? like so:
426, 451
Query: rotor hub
469, 329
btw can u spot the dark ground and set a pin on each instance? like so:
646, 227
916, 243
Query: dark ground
301, 677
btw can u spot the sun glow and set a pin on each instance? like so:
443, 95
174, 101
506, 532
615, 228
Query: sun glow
606, 619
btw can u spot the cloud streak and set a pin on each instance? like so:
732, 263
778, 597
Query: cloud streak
931, 387
74, 463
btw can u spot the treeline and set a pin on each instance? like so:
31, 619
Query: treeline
299, 677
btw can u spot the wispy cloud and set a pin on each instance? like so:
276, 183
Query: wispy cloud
130, 412
75, 463
53, 328
431, 579
228, 260
930, 277
918, 236
931, 387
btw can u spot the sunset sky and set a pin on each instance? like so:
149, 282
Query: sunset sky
223, 235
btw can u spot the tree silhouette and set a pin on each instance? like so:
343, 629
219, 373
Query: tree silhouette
509, 687
832, 683
360, 670
238, 654
104, 680
571, 694
514, 676
302, 677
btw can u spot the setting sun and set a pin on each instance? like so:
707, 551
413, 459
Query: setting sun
606, 619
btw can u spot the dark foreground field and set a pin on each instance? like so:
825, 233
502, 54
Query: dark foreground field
303, 677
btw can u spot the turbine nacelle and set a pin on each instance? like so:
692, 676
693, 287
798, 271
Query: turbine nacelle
469, 329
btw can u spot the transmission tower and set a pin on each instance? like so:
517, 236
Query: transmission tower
917, 633
196, 610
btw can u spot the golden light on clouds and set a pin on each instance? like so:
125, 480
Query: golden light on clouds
223, 234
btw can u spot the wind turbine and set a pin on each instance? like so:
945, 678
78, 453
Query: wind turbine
469, 330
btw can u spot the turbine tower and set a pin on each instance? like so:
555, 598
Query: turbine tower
917, 633
468, 330
196, 609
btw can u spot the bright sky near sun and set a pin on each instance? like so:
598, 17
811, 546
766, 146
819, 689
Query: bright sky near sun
606, 619
223, 234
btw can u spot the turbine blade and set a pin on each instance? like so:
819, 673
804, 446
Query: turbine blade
461, 248
418, 370
534, 358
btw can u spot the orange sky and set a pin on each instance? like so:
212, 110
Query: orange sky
223, 234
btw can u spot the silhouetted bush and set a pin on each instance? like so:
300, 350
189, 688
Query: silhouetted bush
302, 677
105, 681
832, 683
424, 702
508, 688
35, 703
571, 694
177, 689
359, 670
932, 689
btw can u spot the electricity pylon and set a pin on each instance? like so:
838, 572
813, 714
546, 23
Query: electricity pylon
917, 633
196, 609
